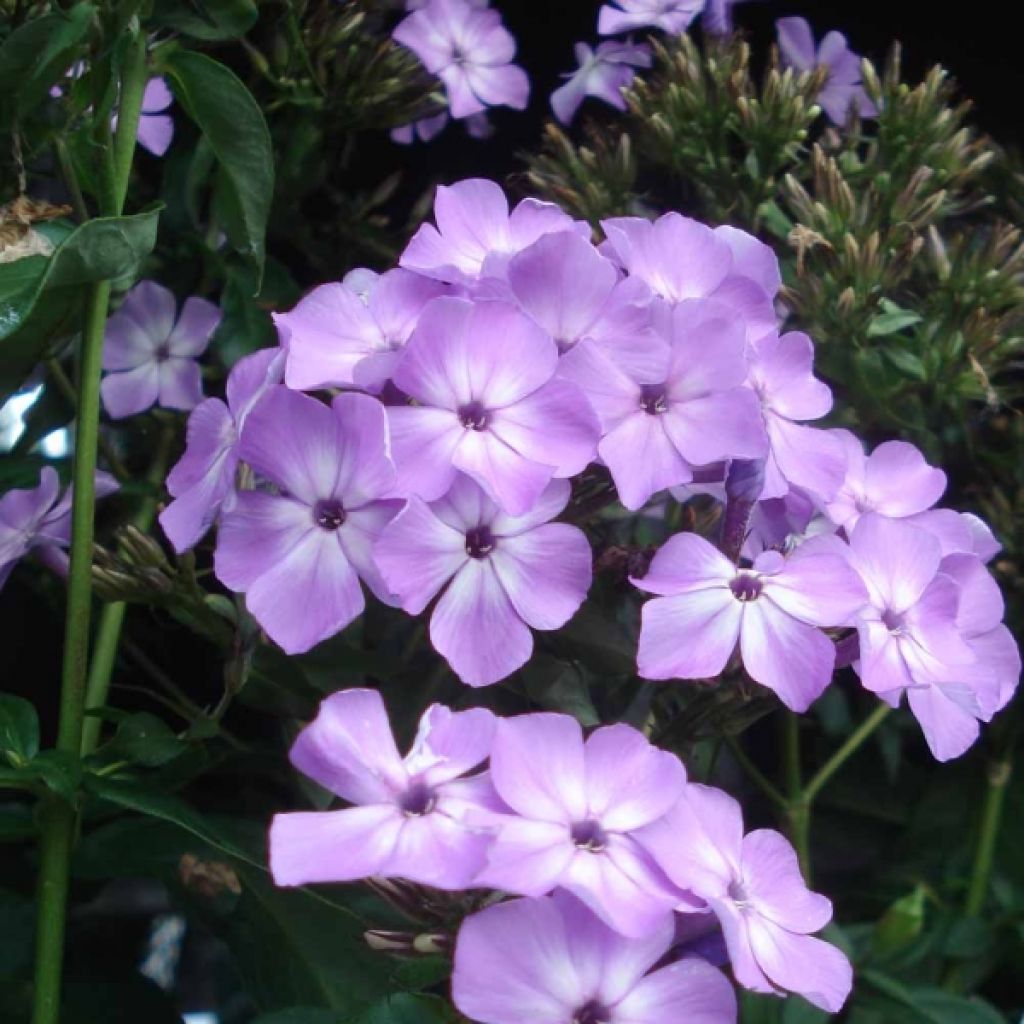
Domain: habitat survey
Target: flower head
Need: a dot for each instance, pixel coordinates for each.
(202, 482)
(774, 610)
(576, 807)
(671, 16)
(501, 575)
(753, 885)
(407, 815)
(843, 87)
(298, 554)
(151, 357)
(603, 73)
(488, 405)
(552, 960)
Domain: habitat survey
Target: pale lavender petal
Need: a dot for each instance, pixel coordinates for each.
(512, 480)
(527, 857)
(180, 383)
(812, 459)
(434, 850)
(686, 562)
(898, 481)
(498, 85)
(196, 324)
(533, 218)
(358, 537)
(365, 471)
(981, 604)
(821, 589)
(551, 502)
(796, 43)
(772, 879)
(153, 308)
(642, 459)
(126, 344)
(423, 442)
(125, 394)
(611, 392)
(690, 636)
(949, 729)
(895, 561)
(782, 371)
(708, 349)
(881, 668)
(187, 518)
(688, 990)
(450, 743)
(251, 377)
(209, 433)
(752, 259)
(717, 427)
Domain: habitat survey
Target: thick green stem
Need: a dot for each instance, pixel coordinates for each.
(991, 817)
(59, 818)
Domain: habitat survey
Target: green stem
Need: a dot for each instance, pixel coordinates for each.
(991, 818)
(798, 806)
(67, 171)
(842, 755)
(59, 818)
(756, 776)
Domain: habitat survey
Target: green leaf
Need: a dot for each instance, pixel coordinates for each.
(143, 739)
(302, 1015)
(906, 362)
(891, 320)
(925, 1005)
(901, 924)
(40, 297)
(231, 121)
(408, 1009)
(209, 20)
(19, 729)
(38, 53)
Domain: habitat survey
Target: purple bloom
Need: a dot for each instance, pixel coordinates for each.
(156, 129)
(488, 405)
(550, 961)
(894, 480)
(717, 18)
(476, 234)
(424, 130)
(843, 87)
(603, 73)
(471, 51)
(686, 408)
(407, 815)
(298, 555)
(626, 15)
(774, 610)
(202, 482)
(753, 885)
(501, 574)
(154, 358)
(338, 338)
(34, 520)
(576, 806)
(781, 372)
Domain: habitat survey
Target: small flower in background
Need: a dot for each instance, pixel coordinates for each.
(575, 807)
(156, 129)
(843, 87)
(202, 482)
(500, 574)
(672, 16)
(34, 520)
(470, 50)
(774, 611)
(151, 357)
(717, 18)
(407, 815)
(488, 404)
(753, 885)
(298, 555)
(552, 960)
(337, 337)
(603, 73)
(424, 130)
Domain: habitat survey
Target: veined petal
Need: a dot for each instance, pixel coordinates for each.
(423, 442)
(688, 990)
(689, 636)
(642, 459)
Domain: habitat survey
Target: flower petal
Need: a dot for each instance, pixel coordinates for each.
(125, 394)
(689, 636)
(181, 383)
(688, 990)
(198, 320)
(642, 459)
(772, 879)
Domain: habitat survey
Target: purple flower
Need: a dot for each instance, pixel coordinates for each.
(298, 555)
(34, 520)
(551, 961)
(476, 234)
(576, 806)
(488, 405)
(202, 482)
(774, 610)
(423, 130)
(407, 815)
(781, 372)
(471, 51)
(843, 87)
(337, 338)
(501, 574)
(154, 358)
(686, 408)
(681, 259)
(717, 18)
(753, 885)
(156, 129)
(603, 73)
(894, 480)
(626, 15)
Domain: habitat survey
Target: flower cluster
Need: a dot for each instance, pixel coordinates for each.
(613, 853)
(508, 354)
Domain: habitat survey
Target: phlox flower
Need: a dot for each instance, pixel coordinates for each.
(687, 407)
(501, 575)
(576, 808)
(894, 481)
(781, 373)
(470, 50)
(626, 15)
(753, 885)
(423, 130)
(298, 555)
(551, 961)
(681, 259)
(156, 128)
(488, 404)
(34, 520)
(958, 533)
(407, 815)
(151, 357)
(603, 73)
(843, 87)
(202, 482)
(774, 610)
(336, 337)
(476, 235)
